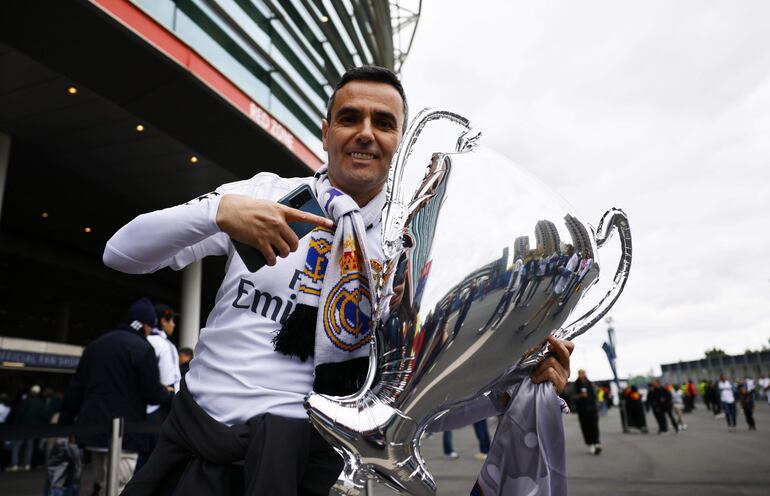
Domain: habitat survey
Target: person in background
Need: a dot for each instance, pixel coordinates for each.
(659, 400)
(185, 355)
(446, 443)
(747, 403)
(679, 406)
(635, 416)
(5, 408)
(30, 411)
(168, 368)
(117, 376)
(689, 398)
(764, 386)
(587, 412)
(727, 399)
(482, 434)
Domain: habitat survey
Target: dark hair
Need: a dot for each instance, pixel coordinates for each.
(369, 73)
(186, 351)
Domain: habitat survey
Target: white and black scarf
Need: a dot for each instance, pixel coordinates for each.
(331, 320)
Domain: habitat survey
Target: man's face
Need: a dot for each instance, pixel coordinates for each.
(364, 132)
(167, 325)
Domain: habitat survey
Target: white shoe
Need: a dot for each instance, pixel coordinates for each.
(480, 456)
(26, 468)
(452, 456)
(12, 468)
(592, 449)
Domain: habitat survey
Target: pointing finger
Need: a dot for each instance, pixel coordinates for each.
(294, 215)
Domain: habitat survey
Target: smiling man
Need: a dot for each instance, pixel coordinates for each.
(238, 425)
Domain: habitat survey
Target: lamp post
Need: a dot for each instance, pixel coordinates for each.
(609, 349)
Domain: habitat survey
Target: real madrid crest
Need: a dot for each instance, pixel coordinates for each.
(348, 308)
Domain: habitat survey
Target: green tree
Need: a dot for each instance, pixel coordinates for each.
(715, 352)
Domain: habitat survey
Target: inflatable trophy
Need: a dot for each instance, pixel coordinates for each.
(482, 264)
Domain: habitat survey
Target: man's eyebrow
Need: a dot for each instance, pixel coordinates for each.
(348, 110)
(383, 114)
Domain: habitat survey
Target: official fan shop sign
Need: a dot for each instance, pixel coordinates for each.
(30, 359)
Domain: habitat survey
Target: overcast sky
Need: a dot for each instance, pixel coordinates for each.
(661, 108)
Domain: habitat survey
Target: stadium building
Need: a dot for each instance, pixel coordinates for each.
(111, 108)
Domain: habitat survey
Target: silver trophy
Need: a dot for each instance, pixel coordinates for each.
(482, 263)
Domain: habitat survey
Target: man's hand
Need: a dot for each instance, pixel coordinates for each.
(263, 224)
(555, 368)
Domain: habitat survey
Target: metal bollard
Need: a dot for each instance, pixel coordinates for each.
(113, 460)
(370, 487)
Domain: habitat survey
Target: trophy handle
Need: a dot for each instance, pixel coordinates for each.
(396, 209)
(612, 220)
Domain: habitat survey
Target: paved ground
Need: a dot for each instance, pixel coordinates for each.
(705, 460)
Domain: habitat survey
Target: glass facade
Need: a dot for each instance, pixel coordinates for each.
(287, 55)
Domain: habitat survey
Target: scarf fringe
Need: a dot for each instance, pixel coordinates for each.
(297, 336)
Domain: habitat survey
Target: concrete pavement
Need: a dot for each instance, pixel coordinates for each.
(706, 459)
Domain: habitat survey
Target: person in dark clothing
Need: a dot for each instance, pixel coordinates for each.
(117, 376)
(635, 416)
(30, 411)
(747, 403)
(587, 412)
(660, 401)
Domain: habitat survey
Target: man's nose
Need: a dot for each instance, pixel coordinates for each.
(365, 132)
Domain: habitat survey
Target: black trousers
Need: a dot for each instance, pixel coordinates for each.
(674, 423)
(589, 425)
(660, 416)
(749, 413)
(269, 455)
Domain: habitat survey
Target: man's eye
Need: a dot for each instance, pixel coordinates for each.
(386, 124)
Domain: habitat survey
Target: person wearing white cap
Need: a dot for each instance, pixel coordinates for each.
(31, 411)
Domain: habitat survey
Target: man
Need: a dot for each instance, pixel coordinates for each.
(168, 368)
(727, 400)
(587, 412)
(660, 401)
(165, 350)
(117, 376)
(764, 386)
(264, 342)
(31, 410)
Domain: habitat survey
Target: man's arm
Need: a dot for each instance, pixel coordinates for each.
(180, 235)
(174, 236)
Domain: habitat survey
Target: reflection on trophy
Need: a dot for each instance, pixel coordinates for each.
(483, 262)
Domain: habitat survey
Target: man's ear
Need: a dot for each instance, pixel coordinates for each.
(324, 130)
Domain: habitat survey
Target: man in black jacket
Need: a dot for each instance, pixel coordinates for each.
(587, 412)
(117, 377)
(660, 401)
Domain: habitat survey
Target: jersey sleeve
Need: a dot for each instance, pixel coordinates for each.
(172, 237)
(166, 366)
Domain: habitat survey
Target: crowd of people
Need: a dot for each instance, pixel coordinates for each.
(668, 403)
(130, 371)
(36, 406)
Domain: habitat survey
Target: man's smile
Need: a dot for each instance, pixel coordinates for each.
(362, 155)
